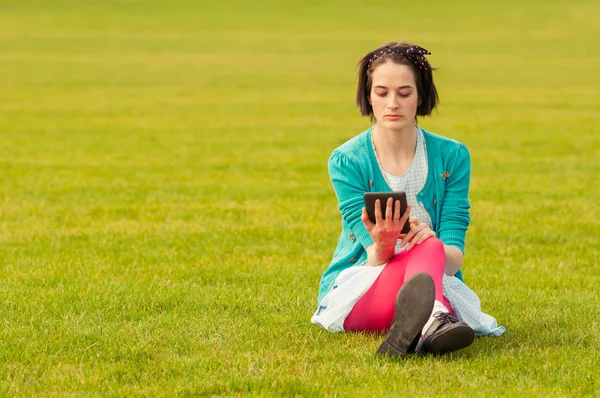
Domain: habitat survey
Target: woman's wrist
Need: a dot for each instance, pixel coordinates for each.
(378, 254)
(454, 260)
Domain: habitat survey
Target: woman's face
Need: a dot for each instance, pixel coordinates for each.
(394, 96)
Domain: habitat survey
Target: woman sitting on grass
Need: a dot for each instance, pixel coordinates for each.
(379, 279)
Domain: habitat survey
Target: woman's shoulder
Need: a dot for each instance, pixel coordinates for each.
(354, 148)
(446, 146)
(440, 139)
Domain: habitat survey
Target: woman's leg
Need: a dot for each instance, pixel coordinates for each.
(429, 257)
(375, 309)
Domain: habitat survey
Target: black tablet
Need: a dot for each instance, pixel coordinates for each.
(371, 197)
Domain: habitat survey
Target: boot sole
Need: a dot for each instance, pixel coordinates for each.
(456, 337)
(412, 309)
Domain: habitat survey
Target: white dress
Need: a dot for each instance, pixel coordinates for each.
(355, 281)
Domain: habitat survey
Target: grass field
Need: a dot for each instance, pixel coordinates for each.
(166, 212)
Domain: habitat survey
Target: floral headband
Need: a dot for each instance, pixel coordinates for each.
(414, 54)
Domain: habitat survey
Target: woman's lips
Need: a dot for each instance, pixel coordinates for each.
(392, 117)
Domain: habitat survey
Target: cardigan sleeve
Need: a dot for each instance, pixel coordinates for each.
(349, 186)
(454, 215)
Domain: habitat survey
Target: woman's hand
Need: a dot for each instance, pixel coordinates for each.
(419, 233)
(385, 232)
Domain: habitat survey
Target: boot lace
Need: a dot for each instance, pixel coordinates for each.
(446, 317)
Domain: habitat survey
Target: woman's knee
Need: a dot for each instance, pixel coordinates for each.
(432, 244)
(431, 250)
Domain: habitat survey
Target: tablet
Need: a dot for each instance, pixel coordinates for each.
(371, 197)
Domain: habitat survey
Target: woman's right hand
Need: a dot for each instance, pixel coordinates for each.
(384, 232)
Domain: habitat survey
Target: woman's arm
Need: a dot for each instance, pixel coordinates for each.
(377, 255)
(454, 213)
(349, 184)
(454, 259)
(454, 216)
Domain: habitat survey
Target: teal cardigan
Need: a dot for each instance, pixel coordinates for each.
(354, 170)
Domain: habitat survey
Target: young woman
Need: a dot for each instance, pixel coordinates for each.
(379, 279)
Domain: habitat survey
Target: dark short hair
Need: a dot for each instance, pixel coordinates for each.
(426, 90)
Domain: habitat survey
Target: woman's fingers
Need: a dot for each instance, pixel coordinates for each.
(388, 210)
(427, 235)
(378, 218)
(422, 237)
(414, 241)
(415, 234)
(403, 220)
(389, 222)
(411, 234)
(397, 210)
(413, 222)
(365, 219)
(405, 215)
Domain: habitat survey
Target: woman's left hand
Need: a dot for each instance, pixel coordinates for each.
(419, 233)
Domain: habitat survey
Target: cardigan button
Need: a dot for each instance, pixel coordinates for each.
(352, 237)
(353, 260)
(435, 201)
(370, 182)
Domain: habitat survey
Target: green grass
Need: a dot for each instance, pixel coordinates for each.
(166, 212)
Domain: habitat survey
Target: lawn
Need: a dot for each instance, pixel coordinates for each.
(166, 213)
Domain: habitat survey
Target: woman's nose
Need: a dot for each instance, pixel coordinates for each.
(392, 104)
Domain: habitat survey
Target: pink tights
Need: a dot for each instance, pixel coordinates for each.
(375, 309)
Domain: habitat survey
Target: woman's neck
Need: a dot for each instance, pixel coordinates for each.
(395, 148)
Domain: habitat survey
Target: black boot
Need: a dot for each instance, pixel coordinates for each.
(446, 334)
(412, 309)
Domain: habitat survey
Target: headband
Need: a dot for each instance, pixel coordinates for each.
(414, 54)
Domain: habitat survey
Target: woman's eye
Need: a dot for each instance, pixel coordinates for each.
(403, 95)
(382, 94)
